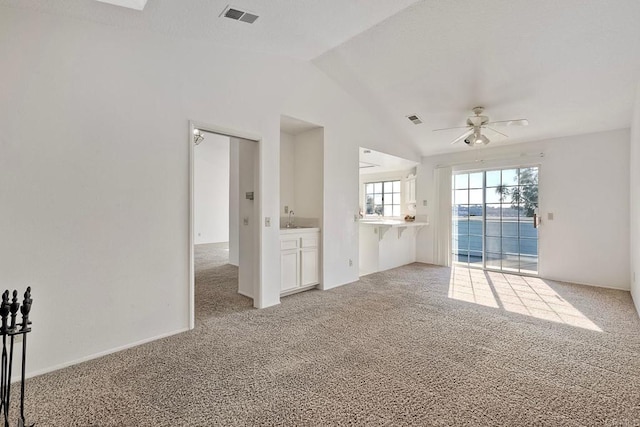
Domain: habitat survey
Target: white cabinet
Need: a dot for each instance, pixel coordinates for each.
(410, 194)
(289, 269)
(299, 259)
(308, 266)
(410, 189)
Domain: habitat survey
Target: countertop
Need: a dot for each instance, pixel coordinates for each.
(392, 222)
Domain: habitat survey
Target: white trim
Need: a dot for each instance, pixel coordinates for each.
(298, 290)
(192, 274)
(636, 303)
(538, 276)
(337, 285)
(258, 300)
(99, 354)
(585, 284)
(220, 130)
(245, 295)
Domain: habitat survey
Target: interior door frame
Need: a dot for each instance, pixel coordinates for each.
(232, 133)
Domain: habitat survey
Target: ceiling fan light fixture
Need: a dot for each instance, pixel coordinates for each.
(477, 122)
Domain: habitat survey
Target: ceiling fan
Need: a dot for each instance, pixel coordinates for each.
(475, 124)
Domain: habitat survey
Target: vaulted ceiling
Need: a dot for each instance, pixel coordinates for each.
(570, 66)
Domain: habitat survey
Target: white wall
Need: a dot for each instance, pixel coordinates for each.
(249, 218)
(584, 182)
(234, 203)
(211, 189)
(308, 173)
(287, 172)
(301, 176)
(95, 169)
(635, 202)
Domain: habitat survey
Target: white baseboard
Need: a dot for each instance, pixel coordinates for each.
(97, 355)
(244, 294)
(585, 284)
(636, 302)
(298, 290)
(337, 285)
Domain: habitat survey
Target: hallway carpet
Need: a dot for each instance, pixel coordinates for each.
(417, 345)
(216, 283)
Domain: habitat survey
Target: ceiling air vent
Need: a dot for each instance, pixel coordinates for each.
(414, 119)
(239, 15)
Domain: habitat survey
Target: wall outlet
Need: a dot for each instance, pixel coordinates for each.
(267, 221)
(245, 220)
(286, 209)
(350, 262)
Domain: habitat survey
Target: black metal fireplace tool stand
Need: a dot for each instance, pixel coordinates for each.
(9, 329)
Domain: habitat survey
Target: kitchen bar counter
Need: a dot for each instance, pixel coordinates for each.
(381, 250)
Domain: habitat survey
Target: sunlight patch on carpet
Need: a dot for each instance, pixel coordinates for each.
(529, 296)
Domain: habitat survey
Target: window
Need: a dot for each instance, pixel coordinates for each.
(493, 219)
(382, 198)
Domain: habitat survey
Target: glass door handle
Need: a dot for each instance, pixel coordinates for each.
(536, 220)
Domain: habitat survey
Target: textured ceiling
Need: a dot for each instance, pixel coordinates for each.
(570, 67)
(302, 28)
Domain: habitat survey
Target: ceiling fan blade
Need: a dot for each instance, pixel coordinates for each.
(459, 127)
(517, 122)
(463, 136)
(496, 131)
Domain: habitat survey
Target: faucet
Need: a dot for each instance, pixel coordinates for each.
(290, 222)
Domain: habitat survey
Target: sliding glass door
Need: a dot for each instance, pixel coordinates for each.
(493, 219)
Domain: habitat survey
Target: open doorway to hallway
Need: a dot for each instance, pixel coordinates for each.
(224, 225)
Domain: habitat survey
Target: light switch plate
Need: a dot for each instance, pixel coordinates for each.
(267, 221)
(550, 216)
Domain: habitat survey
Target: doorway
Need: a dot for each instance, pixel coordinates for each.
(494, 219)
(224, 247)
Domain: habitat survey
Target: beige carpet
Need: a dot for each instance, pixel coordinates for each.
(217, 283)
(402, 347)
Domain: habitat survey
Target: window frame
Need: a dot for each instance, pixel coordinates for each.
(399, 194)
